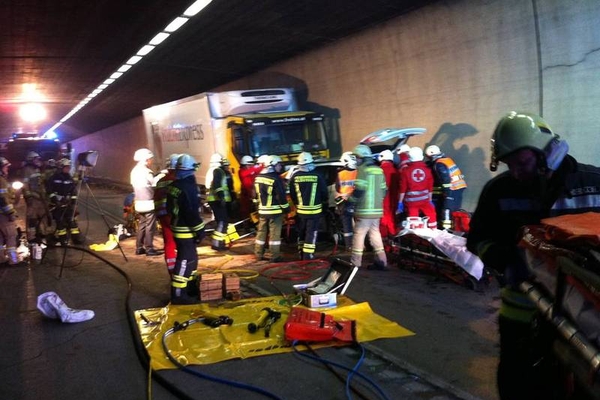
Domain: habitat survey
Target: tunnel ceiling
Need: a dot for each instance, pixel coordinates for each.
(69, 47)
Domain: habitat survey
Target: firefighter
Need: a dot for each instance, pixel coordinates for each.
(35, 197)
(62, 190)
(49, 170)
(344, 186)
(218, 197)
(449, 185)
(366, 203)
(160, 206)
(8, 215)
(309, 194)
(416, 186)
(542, 181)
(247, 173)
(269, 189)
(387, 226)
(183, 205)
(143, 182)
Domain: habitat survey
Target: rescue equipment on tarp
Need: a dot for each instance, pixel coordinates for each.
(313, 326)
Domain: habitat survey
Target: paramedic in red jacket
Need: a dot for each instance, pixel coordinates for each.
(247, 172)
(416, 186)
(387, 225)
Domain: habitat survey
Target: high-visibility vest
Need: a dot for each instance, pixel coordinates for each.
(270, 192)
(218, 185)
(345, 182)
(456, 177)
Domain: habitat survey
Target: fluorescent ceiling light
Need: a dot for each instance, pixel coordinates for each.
(196, 7)
(133, 60)
(103, 86)
(158, 39)
(124, 68)
(176, 24)
(108, 81)
(116, 75)
(145, 50)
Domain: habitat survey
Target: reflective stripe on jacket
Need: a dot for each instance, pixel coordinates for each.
(369, 191)
(308, 191)
(270, 193)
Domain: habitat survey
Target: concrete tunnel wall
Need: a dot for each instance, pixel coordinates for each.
(453, 67)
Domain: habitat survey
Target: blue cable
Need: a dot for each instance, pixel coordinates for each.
(183, 326)
(353, 371)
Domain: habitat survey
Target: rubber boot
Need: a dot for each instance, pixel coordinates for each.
(54, 307)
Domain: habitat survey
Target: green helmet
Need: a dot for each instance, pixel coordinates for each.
(520, 130)
(362, 151)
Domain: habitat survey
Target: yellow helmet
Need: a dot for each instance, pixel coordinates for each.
(520, 130)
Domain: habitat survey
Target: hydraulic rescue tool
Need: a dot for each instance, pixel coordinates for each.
(214, 321)
(313, 326)
(265, 320)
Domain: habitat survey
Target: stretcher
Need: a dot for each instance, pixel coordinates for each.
(563, 257)
(438, 252)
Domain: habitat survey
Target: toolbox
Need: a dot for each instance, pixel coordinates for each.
(322, 292)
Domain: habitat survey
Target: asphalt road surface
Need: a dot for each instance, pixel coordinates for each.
(453, 354)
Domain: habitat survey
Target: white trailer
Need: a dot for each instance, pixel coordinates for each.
(234, 124)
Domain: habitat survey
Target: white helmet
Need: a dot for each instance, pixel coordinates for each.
(415, 154)
(385, 155)
(4, 162)
(142, 155)
(305, 158)
(64, 162)
(31, 155)
(172, 161)
(349, 160)
(433, 151)
(275, 160)
(264, 160)
(216, 159)
(362, 151)
(247, 160)
(186, 162)
(403, 149)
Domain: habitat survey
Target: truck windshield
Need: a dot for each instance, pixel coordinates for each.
(308, 135)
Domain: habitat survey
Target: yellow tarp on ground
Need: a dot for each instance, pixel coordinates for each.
(200, 344)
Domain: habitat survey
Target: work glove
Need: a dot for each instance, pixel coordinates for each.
(400, 208)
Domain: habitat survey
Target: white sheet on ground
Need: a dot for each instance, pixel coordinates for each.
(453, 246)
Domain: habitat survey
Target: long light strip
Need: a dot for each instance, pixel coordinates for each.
(156, 40)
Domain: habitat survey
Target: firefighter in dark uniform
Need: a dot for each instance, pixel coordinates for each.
(270, 194)
(218, 198)
(542, 181)
(344, 186)
(8, 215)
(160, 206)
(183, 205)
(309, 194)
(63, 198)
(35, 196)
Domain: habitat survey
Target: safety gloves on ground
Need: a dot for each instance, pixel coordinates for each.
(54, 307)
